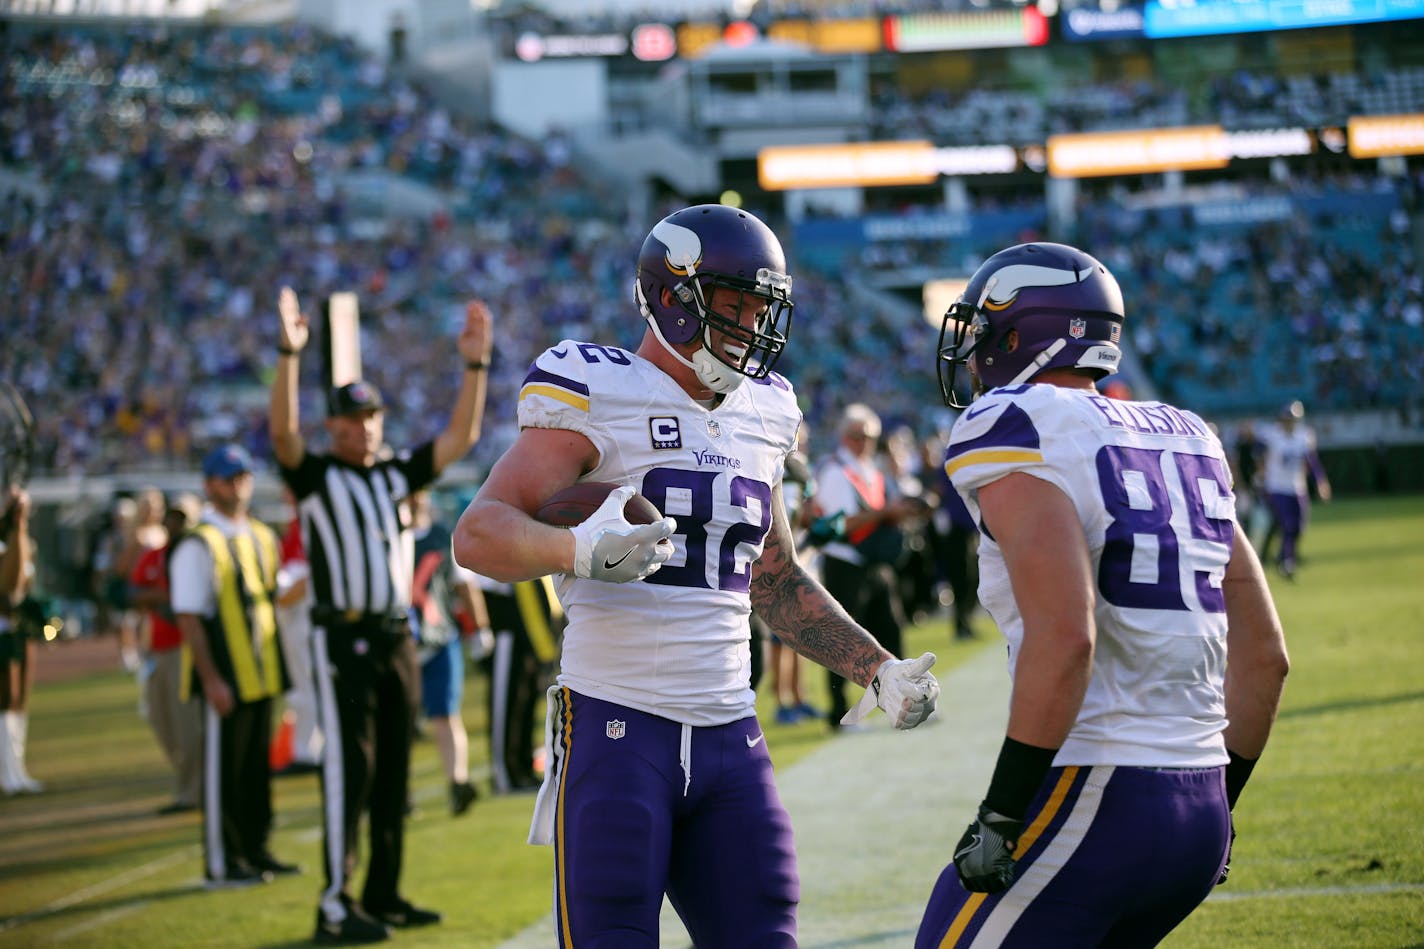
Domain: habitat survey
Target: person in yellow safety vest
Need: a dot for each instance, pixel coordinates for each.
(223, 575)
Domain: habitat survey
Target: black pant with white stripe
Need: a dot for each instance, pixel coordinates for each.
(368, 690)
(237, 788)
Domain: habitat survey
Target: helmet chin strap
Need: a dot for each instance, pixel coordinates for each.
(711, 372)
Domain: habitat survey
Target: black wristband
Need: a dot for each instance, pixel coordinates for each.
(479, 366)
(1238, 770)
(284, 351)
(1017, 777)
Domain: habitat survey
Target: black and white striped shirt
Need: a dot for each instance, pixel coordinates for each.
(356, 528)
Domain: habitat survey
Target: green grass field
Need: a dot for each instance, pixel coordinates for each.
(1330, 854)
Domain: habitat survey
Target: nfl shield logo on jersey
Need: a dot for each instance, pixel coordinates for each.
(713, 428)
(615, 729)
(1077, 327)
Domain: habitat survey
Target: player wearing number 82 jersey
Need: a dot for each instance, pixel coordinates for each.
(1111, 561)
(659, 780)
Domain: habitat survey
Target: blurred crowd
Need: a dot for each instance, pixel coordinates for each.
(990, 114)
(163, 182)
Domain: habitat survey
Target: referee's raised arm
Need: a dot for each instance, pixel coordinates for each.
(283, 422)
(476, 345)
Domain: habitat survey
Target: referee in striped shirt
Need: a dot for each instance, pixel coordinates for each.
(356, 526)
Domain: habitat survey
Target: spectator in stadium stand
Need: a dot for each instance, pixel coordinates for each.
(356, 499)
(177, 722)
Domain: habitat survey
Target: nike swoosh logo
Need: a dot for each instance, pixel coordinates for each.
(973, 845)
(753, 742)
(561, 353)
(974, 413)
(610, 564)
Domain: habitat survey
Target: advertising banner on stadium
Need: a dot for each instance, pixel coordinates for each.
(1169, 18)
(1083, 24)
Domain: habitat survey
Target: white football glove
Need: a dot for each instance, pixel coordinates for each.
(904, 688)
(607, 547)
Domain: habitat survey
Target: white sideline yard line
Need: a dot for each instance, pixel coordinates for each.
(103, 886)
(102, 919)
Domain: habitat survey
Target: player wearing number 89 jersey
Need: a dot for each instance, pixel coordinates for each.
(659, 781)
(1111, 561)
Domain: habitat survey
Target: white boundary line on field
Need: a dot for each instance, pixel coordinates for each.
(101, 887)
(102, 919)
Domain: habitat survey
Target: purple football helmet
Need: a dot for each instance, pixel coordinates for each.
(1029, 308)
(690, 253)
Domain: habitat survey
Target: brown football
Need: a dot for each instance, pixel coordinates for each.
(575, 503)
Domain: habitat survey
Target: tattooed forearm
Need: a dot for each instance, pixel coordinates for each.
(805, 617)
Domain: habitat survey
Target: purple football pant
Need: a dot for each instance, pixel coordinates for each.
(1289, 511)
(633, 823)
(1112, 857)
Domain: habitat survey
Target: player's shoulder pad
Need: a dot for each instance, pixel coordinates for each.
(558, 373)
(988, 410)
(997, 430)
(775, 399)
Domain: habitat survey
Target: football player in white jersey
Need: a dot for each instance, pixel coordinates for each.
(1290, 454)
(1145, 652)
(659, 779)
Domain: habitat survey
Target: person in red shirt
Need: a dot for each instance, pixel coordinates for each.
(294, 627)
(177, 725)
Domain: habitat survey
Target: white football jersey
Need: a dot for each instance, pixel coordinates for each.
(1153, 492)
(1287, 455)
(677, 643)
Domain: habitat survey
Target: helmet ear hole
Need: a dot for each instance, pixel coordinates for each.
(1010, 342)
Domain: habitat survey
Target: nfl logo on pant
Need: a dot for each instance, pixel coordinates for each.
(615, 729)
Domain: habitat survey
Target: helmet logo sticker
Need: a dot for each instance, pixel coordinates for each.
(1008, 282)
(1114, 333)
(684, 247)
(1077, 326)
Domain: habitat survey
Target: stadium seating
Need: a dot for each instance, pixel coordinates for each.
(167, 180)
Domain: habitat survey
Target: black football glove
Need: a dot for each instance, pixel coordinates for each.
(984, 856)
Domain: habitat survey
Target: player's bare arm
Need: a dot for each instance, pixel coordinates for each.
(497, 535)
(476, 344)
(803, 614)
(1256, 659)
(283, 423)
(1046, 552)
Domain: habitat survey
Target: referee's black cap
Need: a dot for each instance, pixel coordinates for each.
(354, 398)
